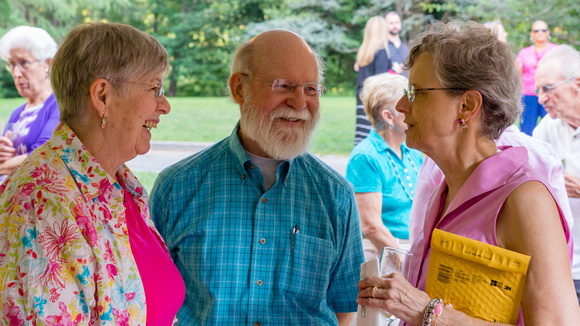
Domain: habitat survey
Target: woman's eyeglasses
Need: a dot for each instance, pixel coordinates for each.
(158, 90)
(411, 92)
(545, 30)
(22, 64)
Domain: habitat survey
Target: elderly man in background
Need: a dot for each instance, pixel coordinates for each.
(262, 231)
(558, 82)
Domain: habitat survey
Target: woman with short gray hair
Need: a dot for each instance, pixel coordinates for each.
(463, 92)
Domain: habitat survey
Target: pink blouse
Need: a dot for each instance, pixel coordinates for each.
(164, 287)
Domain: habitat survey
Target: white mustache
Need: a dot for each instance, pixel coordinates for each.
(286, 112)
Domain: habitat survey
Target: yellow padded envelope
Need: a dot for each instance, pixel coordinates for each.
(479, 279)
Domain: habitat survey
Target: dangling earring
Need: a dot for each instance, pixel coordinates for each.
(462, 124)
(531, 39)
(549, 37)
(103, 122)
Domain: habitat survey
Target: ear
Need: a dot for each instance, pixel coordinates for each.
(236, 84)
(470, 104)
(100, 96)
(388, 116)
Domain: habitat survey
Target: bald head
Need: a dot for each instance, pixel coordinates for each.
(277, 49)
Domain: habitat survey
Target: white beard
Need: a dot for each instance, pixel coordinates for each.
(279, 141)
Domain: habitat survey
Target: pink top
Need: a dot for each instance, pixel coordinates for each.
(542, 158)
(164, 287)
(473, 212)
(529, 58)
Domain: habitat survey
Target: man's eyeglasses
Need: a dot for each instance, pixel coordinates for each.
(286, 86)
(411, 92)
(22, 64)
(549, 88)
(158, 90)
(545, 30)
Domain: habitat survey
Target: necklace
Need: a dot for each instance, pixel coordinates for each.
(399, 176)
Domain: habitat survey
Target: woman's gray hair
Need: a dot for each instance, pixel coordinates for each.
(34, 39)
(379, 93)
(471, 57)
(115, 52)
(564, 59)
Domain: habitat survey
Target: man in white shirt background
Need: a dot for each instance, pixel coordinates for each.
(558, 82)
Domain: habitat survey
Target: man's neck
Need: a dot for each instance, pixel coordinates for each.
(395, 39)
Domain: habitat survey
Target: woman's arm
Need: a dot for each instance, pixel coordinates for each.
(11, 164)
(529, 223)
(370, 208)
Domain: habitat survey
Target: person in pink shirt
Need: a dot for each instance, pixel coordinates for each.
(77, 243)
(527, 62)
(464, 91)
(541, 157)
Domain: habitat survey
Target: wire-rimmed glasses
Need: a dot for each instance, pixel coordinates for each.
(22, 64)
(549, 88)
(411, 92)
(287, 86)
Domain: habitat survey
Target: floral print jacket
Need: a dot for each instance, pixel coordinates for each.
(65, 256)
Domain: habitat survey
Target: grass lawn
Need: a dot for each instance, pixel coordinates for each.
(209, 119)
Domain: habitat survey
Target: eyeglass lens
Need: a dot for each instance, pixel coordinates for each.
(285, 86)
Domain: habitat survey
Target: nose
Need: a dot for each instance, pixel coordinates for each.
(297, 99)
(403, 104)
(163, 105)
(542, 97)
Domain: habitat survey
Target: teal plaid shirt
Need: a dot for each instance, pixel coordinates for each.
(287, 256)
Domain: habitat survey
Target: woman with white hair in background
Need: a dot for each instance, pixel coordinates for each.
(28, 52)
(382, 169)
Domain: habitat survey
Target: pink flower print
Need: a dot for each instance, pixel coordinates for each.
(104, 190)
(86, 225)
(64, 319)
(12, 314)
(130, 296)
(56, 239)
(121, 317)
(112, 269)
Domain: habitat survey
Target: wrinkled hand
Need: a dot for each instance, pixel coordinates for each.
(394, 294)
(572, 185)
(7, 149)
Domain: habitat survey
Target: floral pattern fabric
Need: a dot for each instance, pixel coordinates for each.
(65, 256)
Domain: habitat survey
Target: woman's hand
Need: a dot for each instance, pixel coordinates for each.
(394, 294)
(7, 149)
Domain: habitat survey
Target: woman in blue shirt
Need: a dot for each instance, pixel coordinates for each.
(382, 169)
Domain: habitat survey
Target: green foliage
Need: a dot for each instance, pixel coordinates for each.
(202, 35)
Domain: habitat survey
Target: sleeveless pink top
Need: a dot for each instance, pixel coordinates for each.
(473, 212)
(164, 287)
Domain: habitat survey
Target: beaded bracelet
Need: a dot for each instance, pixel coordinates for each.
(435, 307)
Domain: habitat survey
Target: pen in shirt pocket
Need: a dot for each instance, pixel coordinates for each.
(295, 230)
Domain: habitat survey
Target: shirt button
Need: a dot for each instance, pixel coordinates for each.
(405, 170)
(264, 200)
(251, 167)
(257, 323)
(259, 282)
(408, 178)
(262, 241)
(243, 177)
(410, 184)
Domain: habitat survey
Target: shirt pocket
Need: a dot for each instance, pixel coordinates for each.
(307, 272)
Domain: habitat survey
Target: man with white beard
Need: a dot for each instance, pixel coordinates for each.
(262, 231)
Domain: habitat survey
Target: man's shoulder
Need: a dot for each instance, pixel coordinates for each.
(197, 162)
